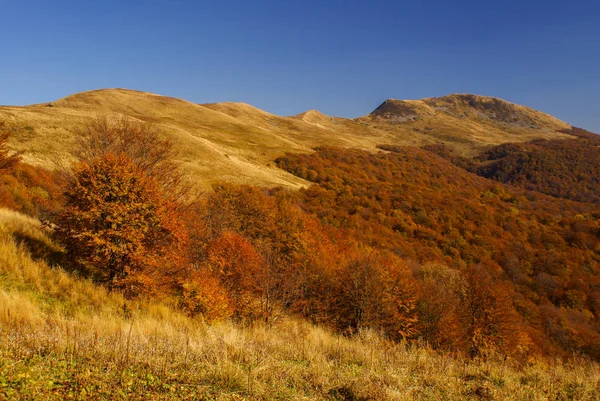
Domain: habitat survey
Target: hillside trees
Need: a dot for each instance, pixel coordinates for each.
(349, 259)
(490, 318)
(537, 250)
(563, 168)
(26, 188)
(272, 258)
(118, 222)
(567, 168)
(439, 306)
(240, 270)
(31, 190)
(271, 230)
(376, 290)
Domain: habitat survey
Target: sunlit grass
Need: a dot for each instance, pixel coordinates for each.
(237, 143)
(62, 337)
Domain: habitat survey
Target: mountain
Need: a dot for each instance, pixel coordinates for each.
(469, 123)
(237, 142)
(461, 242)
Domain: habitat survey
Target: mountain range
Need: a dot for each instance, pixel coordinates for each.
(236, 142)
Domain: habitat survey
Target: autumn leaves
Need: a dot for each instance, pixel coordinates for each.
(514, 269)
(402, 242)
(119, 225)
(240, 252)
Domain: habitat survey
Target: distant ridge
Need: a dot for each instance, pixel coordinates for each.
(397, 108)
(468, 106)
(237, 142)
(315, 117)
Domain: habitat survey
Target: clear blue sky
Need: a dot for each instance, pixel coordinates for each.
(340, 57)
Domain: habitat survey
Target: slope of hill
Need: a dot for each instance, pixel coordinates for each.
(236, 142)
(427, 253)
(562, 168)
(469, 123)
(61, 337)
(423, 208)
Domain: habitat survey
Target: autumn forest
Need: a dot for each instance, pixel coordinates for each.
(498, 253)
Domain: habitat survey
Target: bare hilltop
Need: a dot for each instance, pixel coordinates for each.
(236, 142)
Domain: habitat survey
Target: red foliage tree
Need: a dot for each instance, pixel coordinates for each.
(203, 294)
(241, 270)
(119, 224)
(489, 316)
(439, 306)
(376, 291)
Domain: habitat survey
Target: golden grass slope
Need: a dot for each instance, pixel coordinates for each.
(236, 142)
(62, 337)
(469, 123)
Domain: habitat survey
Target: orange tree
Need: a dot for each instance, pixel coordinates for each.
(119, 225)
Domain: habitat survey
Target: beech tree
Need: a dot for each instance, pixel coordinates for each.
(240, 269)
(489, 316)
(202, 294)
(118, 224)
(439, 306)
(146, 146)
(122, 217)
(377, 291)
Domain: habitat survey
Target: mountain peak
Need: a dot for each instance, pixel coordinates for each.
(313, 117)
(467, 106)
(495, 109)
(470, 100)
(397, 110)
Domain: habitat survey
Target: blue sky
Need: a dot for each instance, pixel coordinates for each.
(340, 57)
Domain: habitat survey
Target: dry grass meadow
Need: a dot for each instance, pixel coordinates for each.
(62, 337)
(236, 142)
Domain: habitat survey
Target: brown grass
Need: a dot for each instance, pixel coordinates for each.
(61, 337)
(236, 142)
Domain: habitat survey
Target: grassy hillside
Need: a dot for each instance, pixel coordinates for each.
(61, 338)
(468, 123)
(236, 142)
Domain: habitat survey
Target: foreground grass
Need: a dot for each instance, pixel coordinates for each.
(64, 338)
